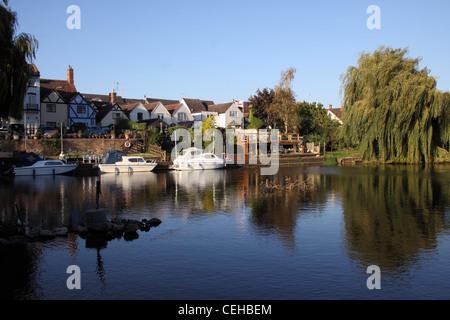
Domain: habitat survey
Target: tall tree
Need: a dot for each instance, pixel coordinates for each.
(16, 53)
(393, 110)
(283, 106)
(260, 104)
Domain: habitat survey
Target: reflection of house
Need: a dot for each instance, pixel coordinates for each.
(335, 114)
(55, 96)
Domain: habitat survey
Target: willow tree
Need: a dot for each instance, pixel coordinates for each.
(16, 53)
(283, 107)
(392, 109)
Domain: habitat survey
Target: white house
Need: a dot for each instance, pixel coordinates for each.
(335, 114)
(229, 115)
(108, 113)
(181, 113)
(135, 111)
(31, 118)
(157, 110)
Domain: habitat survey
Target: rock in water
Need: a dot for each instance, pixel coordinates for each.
(154, 222)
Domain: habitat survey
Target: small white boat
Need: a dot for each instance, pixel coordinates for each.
(196, 159)
(32, 165)
(116, 161)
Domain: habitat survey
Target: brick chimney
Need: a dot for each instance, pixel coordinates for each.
(70, 75)
(113, 96)
(331, 106)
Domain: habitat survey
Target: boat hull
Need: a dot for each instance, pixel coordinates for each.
(190, 166)
(50, 170)
(115, 168)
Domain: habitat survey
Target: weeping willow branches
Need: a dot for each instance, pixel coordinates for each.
(16, 52)
(392, 110)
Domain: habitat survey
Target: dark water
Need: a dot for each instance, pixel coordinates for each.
(222, 236)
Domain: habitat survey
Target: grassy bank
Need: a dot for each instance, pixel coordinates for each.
(331, 157)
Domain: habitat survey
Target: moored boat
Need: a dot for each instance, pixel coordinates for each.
(116, 161)
(31, 164)
(196, 159)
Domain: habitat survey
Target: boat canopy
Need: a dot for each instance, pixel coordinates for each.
(191, 153)
(113, 156)
(28, 159)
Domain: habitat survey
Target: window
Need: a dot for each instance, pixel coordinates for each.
(161, 116)
(51, 124)
(233, 114)
(81, 109)
(140, 116)
(51, 108)
(53, 163)
(116, 115)
(182, 116)
(32, 105)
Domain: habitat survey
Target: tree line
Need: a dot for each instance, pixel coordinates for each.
(277, 108)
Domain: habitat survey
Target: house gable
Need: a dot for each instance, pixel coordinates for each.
(80, 111)
(181, 114)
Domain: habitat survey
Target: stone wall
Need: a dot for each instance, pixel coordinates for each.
(72, 147)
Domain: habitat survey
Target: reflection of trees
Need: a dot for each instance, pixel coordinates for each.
(278, 213)
(391, 215)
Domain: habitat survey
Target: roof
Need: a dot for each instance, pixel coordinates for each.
(63, 87)
(336, 111)
(172, 107)
(197, 105)
(163, 101)
(220, 108)
(33, 69)
(129, 106)
(101, 97)
(151, 106)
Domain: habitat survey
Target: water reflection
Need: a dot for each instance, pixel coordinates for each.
(389, 216)
(394, 214)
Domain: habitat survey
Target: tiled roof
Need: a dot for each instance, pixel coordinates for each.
(102, 97)
(172, 107)
(197, 105)
(151, 106)
(129, 106)
(63, 87)
(337, 112)
(220, 108)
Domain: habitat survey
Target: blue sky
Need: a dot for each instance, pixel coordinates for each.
(224, 50)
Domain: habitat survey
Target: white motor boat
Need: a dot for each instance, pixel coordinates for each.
(196, 159)
(116, 161)
(32, 165)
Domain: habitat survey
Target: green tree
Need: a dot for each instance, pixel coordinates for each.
(283, 105)
(255, 123)
(16, 55)
(393, 110)
(314, 124)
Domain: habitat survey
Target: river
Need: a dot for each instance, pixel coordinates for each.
(225, 235)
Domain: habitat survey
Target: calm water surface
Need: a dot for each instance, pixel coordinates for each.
(223, 237)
